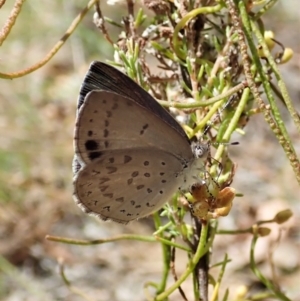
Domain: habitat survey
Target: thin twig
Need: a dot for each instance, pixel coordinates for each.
(100, 23)
(11, 19)
(172, 266)
(55, 49)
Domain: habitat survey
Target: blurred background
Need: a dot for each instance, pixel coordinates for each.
(37, 114)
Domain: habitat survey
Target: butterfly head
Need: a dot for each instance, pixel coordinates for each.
(200, 150)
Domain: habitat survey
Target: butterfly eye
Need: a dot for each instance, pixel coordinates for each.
(199, 150)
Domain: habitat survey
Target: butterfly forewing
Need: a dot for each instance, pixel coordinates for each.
(105, 77)
(109, 121)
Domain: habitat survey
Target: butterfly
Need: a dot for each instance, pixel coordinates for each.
(131, 155)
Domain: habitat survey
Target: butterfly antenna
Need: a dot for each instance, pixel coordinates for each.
(211, 123)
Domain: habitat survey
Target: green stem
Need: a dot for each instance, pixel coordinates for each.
(218, 283)
(190, 15)
(101, 241)
(274, 120)
(281, 83)
(166, 257)
(232, 126)
(172, 244)
(201, 250)
(198, 104)
(260, 276)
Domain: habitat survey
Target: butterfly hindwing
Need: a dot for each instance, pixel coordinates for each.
(124, 185)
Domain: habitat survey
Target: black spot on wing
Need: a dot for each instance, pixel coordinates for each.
(142, 131)
(127, 159)
(91, 145)
(105, 133)
(120, 200)
(135, 174)
(94, 155)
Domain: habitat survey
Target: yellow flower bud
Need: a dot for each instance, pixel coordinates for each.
(269, 39)
(285, 57)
